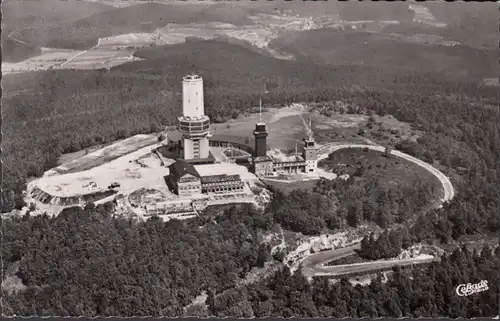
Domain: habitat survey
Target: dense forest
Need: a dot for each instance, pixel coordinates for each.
(422, 292)
(86, 262)
(82, 261)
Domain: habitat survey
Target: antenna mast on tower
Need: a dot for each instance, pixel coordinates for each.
(260, 109)
(310, 129)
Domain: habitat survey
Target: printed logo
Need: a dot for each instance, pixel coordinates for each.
(469, 288)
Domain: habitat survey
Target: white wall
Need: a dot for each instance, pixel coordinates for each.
(188, 148)
(311, 165)
(204, 148)
(192, 98)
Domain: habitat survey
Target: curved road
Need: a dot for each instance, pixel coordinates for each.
(449, 191)
(312, 265)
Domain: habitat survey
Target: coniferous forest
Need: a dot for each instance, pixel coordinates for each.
(87, 262)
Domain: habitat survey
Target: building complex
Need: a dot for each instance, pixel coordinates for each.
(196, 172)
(209, 169)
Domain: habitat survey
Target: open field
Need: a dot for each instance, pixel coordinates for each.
(284, 125)
(123, 168)
(49, 58)
(106, 154)
(55, 58)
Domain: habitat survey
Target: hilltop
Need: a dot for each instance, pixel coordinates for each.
(69, 110)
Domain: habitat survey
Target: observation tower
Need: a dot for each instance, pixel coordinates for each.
(310, 150)
(260, 133)
(194, 125)
(262, 164)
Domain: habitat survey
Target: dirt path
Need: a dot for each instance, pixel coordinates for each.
(80, 53)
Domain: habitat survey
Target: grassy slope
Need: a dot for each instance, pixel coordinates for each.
(83, 33)
(39, 15)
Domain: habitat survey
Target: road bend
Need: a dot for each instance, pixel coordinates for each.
(313, 265)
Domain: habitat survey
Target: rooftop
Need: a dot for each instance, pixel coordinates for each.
(287, 158)
(181, 167)
(248, 140)
(263, 159)
(191, 77)
(220, 178)
(199, 118)
(220, 169)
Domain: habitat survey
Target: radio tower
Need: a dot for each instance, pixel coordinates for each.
(260, 134)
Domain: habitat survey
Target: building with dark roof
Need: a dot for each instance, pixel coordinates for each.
(184, 179)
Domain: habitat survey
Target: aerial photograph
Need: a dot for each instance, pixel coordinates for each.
(249, 159)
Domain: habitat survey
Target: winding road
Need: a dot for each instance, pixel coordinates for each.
(313, 264)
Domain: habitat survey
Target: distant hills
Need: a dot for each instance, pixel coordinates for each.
(353, 47)
(78, 24)
(21, 14)
(35, 16)
(75, 24)
(473, 23)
